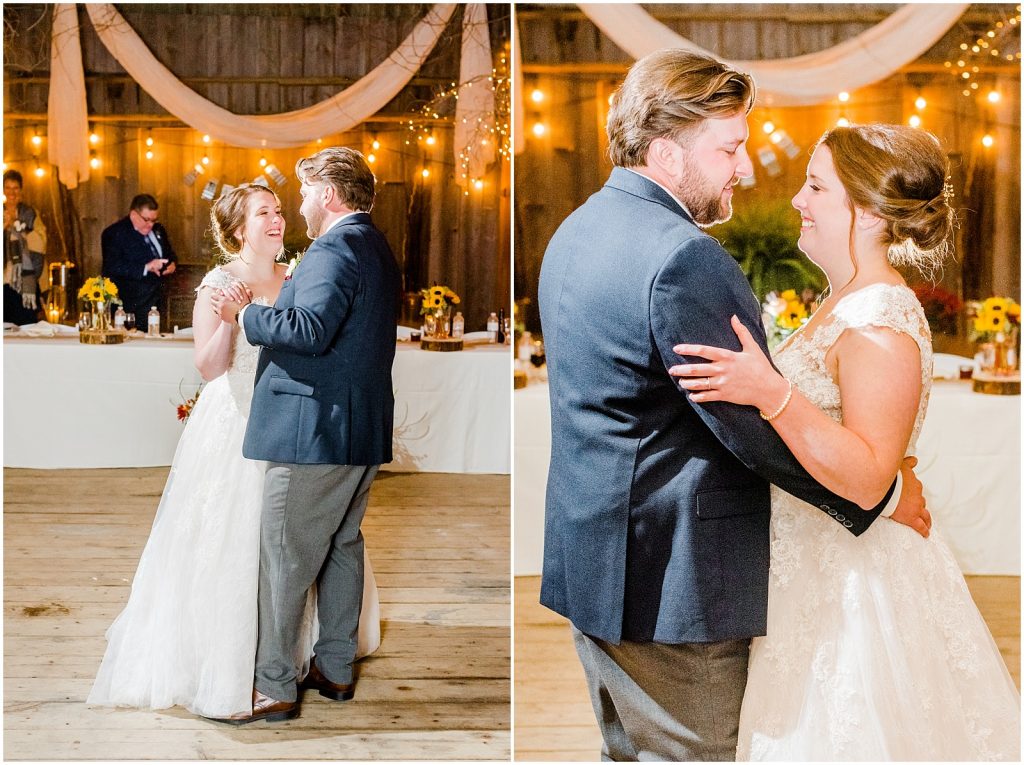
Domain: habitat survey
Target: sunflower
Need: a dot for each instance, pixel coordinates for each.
(794, 315)
(788, 295)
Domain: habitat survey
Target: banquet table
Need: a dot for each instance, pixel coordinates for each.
(969, 463)
(69, 405)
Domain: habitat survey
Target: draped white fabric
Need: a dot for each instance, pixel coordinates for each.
(804, 80)
(67, 112)
(338, 113)
(474, 110)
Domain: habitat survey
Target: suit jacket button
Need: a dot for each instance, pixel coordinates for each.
(848, 524)
(831, 512)
(825, 507)
(840, 517)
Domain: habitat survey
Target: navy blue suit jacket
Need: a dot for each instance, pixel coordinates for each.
(125, 255)
(323, 392)
(656, 523)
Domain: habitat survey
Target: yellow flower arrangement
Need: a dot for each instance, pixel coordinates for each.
(99, 289)
(994, 316)
(785, 312)
(437, 297)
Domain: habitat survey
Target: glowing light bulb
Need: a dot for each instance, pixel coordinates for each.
(94, 138)
(40, 172)
(993, 96)
(94, 162)
(987, 141)
(537, 95)
(478, 184)
(149, 154)
(914, 121)
(920, 103)
(263, 161)
(205, 160)
(425, 173)
(149, 141)
(371, 158)
(37, 140)
(431, 140)
(844, 97)
(206, 138)
(843, 122)
(375, 145)
(539, 129)
(769, 127)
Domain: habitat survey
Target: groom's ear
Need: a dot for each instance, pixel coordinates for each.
(662, 153)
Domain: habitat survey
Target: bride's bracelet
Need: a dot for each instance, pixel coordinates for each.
(785, 403)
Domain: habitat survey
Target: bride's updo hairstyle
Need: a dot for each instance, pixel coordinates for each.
(227, 217)
(898, 173)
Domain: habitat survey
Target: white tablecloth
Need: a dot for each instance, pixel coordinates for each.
(68, 405)
(969, 453)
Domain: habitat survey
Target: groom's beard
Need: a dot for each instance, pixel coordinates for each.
(704, 202)
(314, 222)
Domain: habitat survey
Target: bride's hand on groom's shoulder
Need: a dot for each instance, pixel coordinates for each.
(741, 377)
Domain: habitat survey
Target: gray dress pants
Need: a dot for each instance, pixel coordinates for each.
(310, 533)
(656, 701)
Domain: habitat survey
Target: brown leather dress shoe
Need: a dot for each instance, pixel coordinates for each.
(263, 708)
(336, 691)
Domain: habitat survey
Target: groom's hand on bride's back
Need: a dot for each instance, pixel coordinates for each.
(911, 510)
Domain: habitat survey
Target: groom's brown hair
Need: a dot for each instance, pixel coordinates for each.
(669, 94)
(345, 170)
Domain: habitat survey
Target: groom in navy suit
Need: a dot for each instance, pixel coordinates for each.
(656, 530)
(322, 414)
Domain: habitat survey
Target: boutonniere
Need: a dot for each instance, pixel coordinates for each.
(293, 264)
(19, 225)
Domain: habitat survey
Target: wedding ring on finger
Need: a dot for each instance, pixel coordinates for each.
(707, 383)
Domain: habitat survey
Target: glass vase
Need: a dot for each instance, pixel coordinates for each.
(441, 317)
(100, 319)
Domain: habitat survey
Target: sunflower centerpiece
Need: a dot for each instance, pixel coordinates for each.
(99, 292)
(436, 306)
(995, 326)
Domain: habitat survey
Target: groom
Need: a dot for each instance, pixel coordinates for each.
(656, 539)
(321, 417)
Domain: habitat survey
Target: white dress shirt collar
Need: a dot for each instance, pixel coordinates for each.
(661, 187)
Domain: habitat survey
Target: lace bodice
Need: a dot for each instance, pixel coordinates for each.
(802, 357)
(244, 356)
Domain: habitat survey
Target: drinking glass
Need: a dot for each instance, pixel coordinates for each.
(129, 322)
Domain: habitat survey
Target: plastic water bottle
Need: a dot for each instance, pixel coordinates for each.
(458, 325)
(119, 318)
(154, 322)
(492, 328)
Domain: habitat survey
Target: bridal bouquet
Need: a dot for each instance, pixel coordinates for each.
(437, 298)
(785, 312)
(187, 404)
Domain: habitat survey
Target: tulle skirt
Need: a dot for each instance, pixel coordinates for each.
(188, 633)
(875, 651)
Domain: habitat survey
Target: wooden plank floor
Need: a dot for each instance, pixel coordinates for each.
(438, 688)
(553, 717)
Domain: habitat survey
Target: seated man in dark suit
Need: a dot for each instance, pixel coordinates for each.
(137, 256)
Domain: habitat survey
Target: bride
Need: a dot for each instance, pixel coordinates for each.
(883, 653)
(188, 634)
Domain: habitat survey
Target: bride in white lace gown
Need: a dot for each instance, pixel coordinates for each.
(188, 633)
(874, 649)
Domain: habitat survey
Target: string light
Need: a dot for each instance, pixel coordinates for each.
(205, 160)
(537, 95)
(375, 144)
(843, 122)
(206, 138)
(425, 173)
(149, 140)
(94, 161)
(539, 129)
(431, 140)
(149, 154)
(478, 184)
(844, 97)
(94, 138)
(371, 158)
(987, 141)
(914, 121)
(263, 161)
(920, 103)
(993, 96)
(769, 127)
(37, 140)
(39, 170)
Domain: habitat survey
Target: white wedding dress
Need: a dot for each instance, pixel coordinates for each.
(188, 633)
(875, 649)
